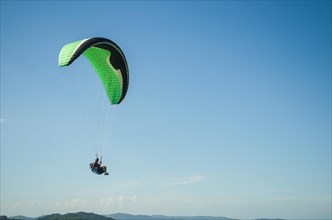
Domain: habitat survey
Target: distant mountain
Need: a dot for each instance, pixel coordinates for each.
(117, 216)
(17, 217)
(75, 216)
(123, 216)
(21, 217)
(269, 219)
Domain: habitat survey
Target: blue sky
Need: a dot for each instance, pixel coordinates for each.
(228, 111)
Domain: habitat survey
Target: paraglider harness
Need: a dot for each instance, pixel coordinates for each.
(96, 166)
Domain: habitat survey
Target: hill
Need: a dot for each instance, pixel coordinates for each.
(75, 216)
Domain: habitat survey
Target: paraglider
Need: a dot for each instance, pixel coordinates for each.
(109, 63)
(97, 168)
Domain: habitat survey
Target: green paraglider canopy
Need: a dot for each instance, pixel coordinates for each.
(108, 61)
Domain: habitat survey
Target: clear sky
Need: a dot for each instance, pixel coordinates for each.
(228, 111)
